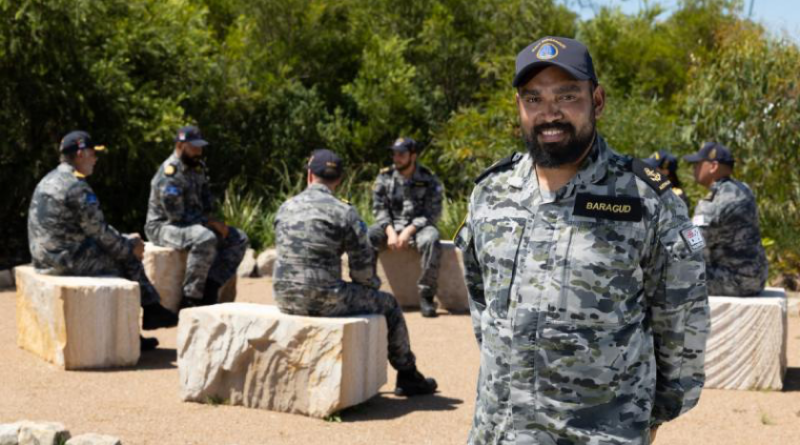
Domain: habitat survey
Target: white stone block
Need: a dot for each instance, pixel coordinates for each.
(166, 267)
(9, 433)
(255, 356)
(42, 433)
(746, 348)
(78, 322)
(93, 439)
(247, 268)
(265, 262)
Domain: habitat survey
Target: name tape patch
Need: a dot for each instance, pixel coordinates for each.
(694, 238)
(617, 208)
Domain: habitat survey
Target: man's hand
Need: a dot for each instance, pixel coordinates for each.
(404, 238)
(219, 227)
(138, 246)
(391, 238)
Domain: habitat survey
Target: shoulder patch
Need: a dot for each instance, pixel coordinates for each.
(653, 178)
(169, 170)
(90, 198)
(500, 165)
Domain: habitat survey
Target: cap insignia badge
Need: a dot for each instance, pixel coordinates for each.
(547, 51)
(712, 154)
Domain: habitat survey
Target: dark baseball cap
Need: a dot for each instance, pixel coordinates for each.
(326, 164)
(78, 140)
(404, 144)
(662, 159)
(567, 54)
(191, 134)
(711, 151)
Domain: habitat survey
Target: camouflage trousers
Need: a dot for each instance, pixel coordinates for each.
(346, 298)
(92, 260)
(210, 258)
(426, 241)
(722, 281)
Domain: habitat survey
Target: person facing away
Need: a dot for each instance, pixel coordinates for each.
(68, 234)
(585, 275)
(180, 215)
(407, 203)
(666, 164)
(312, 231)
(736, 263)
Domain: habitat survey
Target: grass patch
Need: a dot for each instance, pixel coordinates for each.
(216, 401)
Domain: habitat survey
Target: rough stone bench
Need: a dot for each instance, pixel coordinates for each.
(255, 356)
(166, 267)
(78, 322)
(399, 271)
(746, 347)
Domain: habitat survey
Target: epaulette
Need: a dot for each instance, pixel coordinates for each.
(386, 169)
(654, 179)
(502, 164)
(677, 191)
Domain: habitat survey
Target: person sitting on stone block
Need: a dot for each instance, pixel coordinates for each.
(179, 215)
(312, 231)
(736, 264)
(407, 203)
(68, 234)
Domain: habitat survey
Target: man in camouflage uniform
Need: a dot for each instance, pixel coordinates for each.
(179, 215)
(407, 203)
(736, 264)
(312, 231)
(667, 164)
(585, 275)
(68, 234)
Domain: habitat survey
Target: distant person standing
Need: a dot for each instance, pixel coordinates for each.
(180, 215)
(667, 164)
(407, 204)
(736, 264)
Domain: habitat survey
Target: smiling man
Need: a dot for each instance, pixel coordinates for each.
(585, 275)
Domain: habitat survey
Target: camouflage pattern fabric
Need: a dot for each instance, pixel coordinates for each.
(312, 231)
(736, 264)
(177, 214)
(589, 305)
(416, 201)
(68, 234)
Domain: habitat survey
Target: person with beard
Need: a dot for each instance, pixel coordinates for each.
(407, 203)
(180, 216)
(585, 275)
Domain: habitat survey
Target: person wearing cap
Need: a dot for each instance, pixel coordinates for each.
(180, 216)
(585, 275)
(667, 165)
(407, 203)
(68, 234)
(736, 263)
(312, 231)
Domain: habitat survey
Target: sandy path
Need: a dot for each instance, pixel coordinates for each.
(141, 406)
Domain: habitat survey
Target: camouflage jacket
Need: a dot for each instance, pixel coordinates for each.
(63, 216)
(728, 218)
(179, 195)
(589, 304)
(312, 231)
(400, 201)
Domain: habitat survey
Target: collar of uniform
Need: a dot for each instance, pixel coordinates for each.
(416, 176)
(595, 165)
(522, 172)
(320, 188)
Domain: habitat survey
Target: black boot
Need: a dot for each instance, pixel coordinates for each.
(427, 307)
(147, 344)
(412, 383)
(157, 316)
(211, 293)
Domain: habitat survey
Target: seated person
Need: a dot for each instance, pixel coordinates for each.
(179, 215)
(667, 164)
(68, 234)
(312, 231)
(736, 264)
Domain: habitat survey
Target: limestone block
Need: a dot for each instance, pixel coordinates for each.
(9, 434)
(42, 433)
(93, 439)
(265, 262)
(399, 271)
(78, 322)
(255, 356)
(746, 348)
(247, 268)
(166, 267)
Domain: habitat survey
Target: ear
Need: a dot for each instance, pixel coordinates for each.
(599, 96)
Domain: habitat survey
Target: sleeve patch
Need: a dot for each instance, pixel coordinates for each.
(90, 198)
(693, 238)
(362, 228)
(172, 190)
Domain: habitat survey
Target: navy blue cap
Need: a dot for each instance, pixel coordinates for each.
(326, 164)
(404, 144)
(663, 159)
(191, 134)
(711, 151)
(570, 55)
(78, 140)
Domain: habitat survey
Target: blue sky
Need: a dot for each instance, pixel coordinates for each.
(779, 16)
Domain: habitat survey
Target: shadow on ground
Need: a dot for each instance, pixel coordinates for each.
(384, 407)
(791, 382)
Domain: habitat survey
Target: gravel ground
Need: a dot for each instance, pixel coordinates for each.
(141, 405)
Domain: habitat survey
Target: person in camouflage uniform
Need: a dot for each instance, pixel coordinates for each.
(407, 203)
(667, 164)
(179, 215)
(736, 264)
(312, 231)
(68, 234)
(585, 276)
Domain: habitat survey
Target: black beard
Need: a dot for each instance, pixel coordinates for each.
(549, 155)
(190, 161)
